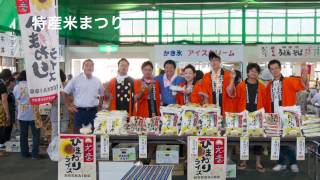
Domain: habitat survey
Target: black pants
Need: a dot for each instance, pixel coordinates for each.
(5, 134)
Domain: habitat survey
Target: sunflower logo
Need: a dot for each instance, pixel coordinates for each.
(66, 148)
(42, 4)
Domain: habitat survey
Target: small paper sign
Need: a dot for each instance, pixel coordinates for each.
(275, 148)
(194, 145)
(244, 148)
(143, 146)
(104, 149)
(301, 148)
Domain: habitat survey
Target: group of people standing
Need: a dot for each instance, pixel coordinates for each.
(85, 94)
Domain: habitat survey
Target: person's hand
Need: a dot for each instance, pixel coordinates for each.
(72, 108)
(233, 73)
(8, 118)
(187, 91)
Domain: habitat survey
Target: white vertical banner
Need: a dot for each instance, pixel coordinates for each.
(244, 148)
(104, 147)
(275, 148)
(143, 146)
(40, 43)
(301, 148)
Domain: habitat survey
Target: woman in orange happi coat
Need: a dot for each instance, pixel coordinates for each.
(191, 88)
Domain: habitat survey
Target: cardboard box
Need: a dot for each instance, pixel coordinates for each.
(167, 154)
(125, 152)
(231, 170)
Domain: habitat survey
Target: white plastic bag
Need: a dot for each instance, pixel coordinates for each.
(53, 149)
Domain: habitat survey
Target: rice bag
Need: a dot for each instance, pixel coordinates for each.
(189, 120)
(170, 117)
(255, 123)
(291, 120)
(234, 123)
(272, 124)
(100, 123)
(135, 125)
(210, 122)
(151, 125)
(116, 122)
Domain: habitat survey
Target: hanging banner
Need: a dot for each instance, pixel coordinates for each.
(197, 53)
(77, 157)
(10, 45)
(40, 49)
(211, 160)
(278, 51)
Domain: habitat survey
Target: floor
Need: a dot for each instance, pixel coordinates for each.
(14, 167)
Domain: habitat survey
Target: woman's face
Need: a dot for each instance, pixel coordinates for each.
(11, 85)
(189, 75)
(147, 72)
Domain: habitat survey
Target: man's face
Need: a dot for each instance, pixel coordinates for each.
(88, 68)
(123, 68)
(275, 70)
(215, 63)
(253, 73)
(169, 70)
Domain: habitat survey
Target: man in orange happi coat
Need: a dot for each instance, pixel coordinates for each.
(120, 92)
(282, 91)
(218, 85)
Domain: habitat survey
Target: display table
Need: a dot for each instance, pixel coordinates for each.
(152, 139)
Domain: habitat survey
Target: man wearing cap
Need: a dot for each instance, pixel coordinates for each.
(218, 85)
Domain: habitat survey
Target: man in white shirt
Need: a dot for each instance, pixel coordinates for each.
(87, 94)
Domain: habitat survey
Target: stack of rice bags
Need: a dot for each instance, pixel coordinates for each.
(254, 123)
(100, 123)
(170, 119)
(234, 123)
(135, 125)
(152, 125)
(210, 121)
(291, 120)
(311, 126)
(189, 120)
(272, 125)
(110, 122)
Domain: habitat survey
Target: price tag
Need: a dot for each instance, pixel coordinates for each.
(275, 148)
(244, 148)
(104, 147)
(301, 148)
(143, 151)
(193, 145)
